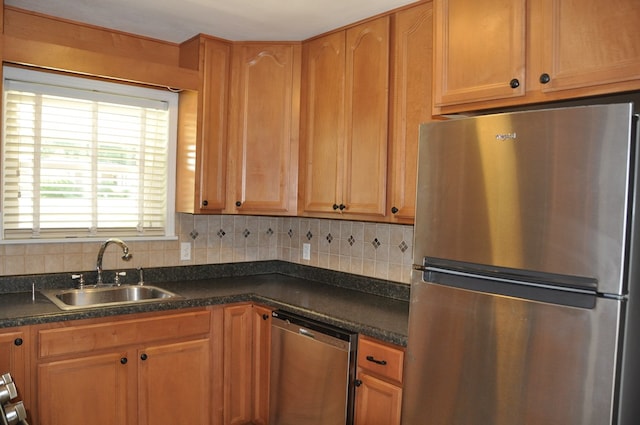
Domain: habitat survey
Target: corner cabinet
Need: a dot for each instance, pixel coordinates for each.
(378, 383)
(151, 369)
(264, 120)
(523, 52)
(412, 64)
(345, 122)
(202, 128)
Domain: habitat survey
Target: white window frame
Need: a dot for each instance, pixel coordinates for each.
(69, 83)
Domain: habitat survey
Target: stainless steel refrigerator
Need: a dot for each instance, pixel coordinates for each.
(524, 297)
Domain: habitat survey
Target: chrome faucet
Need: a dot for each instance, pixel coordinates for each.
(126, 256)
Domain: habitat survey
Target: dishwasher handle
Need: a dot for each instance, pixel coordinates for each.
(305, 332)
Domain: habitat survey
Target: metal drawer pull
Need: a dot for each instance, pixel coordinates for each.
(380, 362)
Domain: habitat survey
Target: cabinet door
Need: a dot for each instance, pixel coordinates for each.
(261, 341)
(479, 50)
(13, 360)
(174, 382)
(213, 151)
(366, 123)
(377, 402)
(411, 95)
(238, 389)
(323, 121)
(265, 118)
(202, 128)
(588, 43)
(89, 390)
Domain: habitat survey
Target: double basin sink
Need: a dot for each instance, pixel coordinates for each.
(102, 296)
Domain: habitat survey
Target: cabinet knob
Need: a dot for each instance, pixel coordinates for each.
(143, 357)
(18, 341)
(265, 316)
(394, 210)
(205, 203)
(545, 78)
(357, 382)
(515, 83)
(238, 204)
(123, 360)
(335, 206)
(342, 207)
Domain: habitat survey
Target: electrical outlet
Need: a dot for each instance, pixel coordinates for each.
(306, 251)
(185, 251)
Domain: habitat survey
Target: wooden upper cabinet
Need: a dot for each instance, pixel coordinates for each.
(479, 50)
(587, 43)
(202, 128)
(323, 119)
(571, 50)
(412, 53)
(264, 128)
(345, 121)
(366, 119)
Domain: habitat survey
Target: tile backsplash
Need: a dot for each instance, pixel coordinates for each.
(377, 250)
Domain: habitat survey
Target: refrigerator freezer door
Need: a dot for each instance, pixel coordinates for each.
(475, 358)
(544, 191)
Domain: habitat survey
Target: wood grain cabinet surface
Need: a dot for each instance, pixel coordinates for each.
(201, 176)
(345, 122)
(378, 383)
(264, 121)
(149, 369)
(15, 346)
(504, 53)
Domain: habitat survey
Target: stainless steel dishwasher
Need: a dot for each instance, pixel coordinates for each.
(312, 372)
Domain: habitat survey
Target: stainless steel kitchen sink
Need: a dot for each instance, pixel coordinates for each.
(69, 299)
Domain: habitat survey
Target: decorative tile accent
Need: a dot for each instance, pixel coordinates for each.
(329, 238)
(403, 246)
(221, 233)
(269, 231)
(351, 240)
(290, 233)
(246, 233)
(309, 235)
(193, 234)
(376, 243)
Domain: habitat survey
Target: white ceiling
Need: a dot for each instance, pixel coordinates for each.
(237, 20)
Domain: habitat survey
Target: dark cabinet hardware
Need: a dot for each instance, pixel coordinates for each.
(515, 83)
(238, 204)
(143, 357)
(545, 78)
(373, 359)
(394, 210)
(123, 360)
(205, 203)
(18, 341)
(358, 382)
(265, 316)
(342, 207)
(335, 206)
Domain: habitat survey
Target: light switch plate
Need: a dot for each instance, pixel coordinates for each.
(185, 251)
(306, 251)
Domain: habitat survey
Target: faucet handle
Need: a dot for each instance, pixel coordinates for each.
(116, 280)
(80, 278)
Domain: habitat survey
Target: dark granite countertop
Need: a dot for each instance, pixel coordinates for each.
(368, 306)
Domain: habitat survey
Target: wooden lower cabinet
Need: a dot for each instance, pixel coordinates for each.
(247, 341)
(142, 369)
(14, 346)
(378, 383)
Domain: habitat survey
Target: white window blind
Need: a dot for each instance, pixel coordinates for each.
(83, 158)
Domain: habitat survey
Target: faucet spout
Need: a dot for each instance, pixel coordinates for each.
(126, 255)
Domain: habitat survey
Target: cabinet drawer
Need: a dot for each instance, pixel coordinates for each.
(380, 359)
(85, 337)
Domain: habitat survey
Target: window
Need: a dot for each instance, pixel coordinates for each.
(85, 158)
